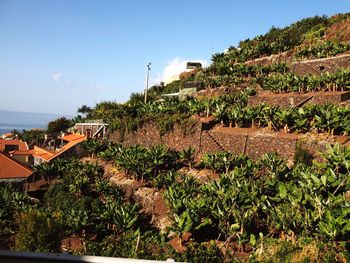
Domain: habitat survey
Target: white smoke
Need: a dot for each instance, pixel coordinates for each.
(173, 70)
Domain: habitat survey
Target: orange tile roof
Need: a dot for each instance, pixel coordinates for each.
(21, 144)
(73, 137)
(42, 153)
(10, 168)
(6, 135)
(65, 148)
(21, 152)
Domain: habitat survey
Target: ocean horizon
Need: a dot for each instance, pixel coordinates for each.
(15, 120)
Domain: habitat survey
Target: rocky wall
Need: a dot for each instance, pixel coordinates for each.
(294, 99)
(258, 145)
(255, 145)
(315, 66)
(234, 143)
(208, 145)
(319, 66)
(250, 142)
(149, 136)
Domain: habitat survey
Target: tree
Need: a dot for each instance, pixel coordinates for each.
(58, 125)
(37, 231)
(85, 110)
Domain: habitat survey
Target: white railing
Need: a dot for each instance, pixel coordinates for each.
(24, 257)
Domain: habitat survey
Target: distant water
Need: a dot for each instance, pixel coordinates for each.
(10, 120)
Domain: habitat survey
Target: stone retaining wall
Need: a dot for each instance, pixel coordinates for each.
(258, 145)
(319, 66)
(252, 144)
(315, 66)
(293, 99)
(149, 136)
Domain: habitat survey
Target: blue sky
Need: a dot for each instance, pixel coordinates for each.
(58, 55)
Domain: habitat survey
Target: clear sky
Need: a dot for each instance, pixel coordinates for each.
(57, 55)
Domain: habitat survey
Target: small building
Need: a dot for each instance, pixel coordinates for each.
(91, 129)
(8, 145)
(68, 146)
(8, 135)
(12, 171)
(193, 65)
(23, 156)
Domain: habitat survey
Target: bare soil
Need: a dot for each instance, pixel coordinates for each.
(202, 175)
(339, 31)
(71, 243)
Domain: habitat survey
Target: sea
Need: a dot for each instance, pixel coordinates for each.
(10, 120)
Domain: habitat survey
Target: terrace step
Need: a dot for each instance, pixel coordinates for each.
(214, 140)
(295, 100)
(303, 102)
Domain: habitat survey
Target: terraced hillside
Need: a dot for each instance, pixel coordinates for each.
(253, 168)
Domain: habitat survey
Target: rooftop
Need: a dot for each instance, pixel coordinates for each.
(72, 139)
(20, 144)
(21, 152)
(11, 169)
(42, 153)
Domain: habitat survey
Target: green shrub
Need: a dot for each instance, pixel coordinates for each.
(302, 156)
(37, 231)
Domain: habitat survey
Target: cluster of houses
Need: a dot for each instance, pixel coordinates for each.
(18, 159)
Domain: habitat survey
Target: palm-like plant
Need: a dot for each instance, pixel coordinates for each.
(187, 156)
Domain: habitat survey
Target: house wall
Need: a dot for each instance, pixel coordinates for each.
(88, 130)
(24, 159)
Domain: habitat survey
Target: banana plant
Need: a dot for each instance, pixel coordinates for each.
(187, 156)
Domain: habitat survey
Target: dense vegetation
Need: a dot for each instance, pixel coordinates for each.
(131, 116)
(231, 111)
(322, 50)
(30, 136)
(304, 38)
(85, 206)
(337, 81)
(329, 119)
(256, 205)
(264, 210)
(280, 39)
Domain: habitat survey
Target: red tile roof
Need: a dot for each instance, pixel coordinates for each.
(73, 137)
(10, 168)
(21, 145)
(7, 135)
(21, 152)
(42, 153)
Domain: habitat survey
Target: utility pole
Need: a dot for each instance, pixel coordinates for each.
(146, 89)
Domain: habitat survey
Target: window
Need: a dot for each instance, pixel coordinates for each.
(9, 148)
